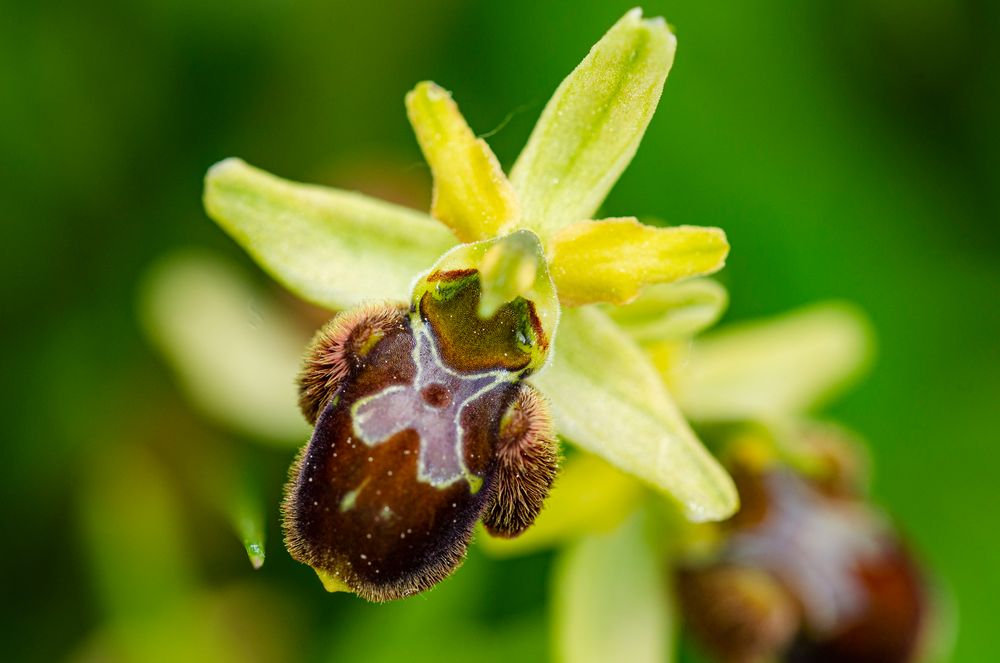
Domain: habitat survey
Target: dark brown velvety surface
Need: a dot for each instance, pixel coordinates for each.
(860, 595)
(398, 535)
(891, 627)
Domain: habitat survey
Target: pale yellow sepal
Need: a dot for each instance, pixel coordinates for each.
(611, 260)
(671, 311)
(610, 599)
(591, 128)
(333, 248)
(233, 351)
(590, 496)
(608, 398)
(766, 369)
(471, 193)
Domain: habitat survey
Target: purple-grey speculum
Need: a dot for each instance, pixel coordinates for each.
(431, 406)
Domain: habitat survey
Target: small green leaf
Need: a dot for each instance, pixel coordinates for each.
(332, 248)
(762, 370)
(246, 512)
(609, 399)
(252, 535)
(591, 128)
(589, 496)
(610, 600)
(234, 353)
(671, 311)
(227, 478)
(612, 260)
(471, 193)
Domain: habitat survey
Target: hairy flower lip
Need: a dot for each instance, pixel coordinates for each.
(358, 512)
(411, 448)
(858, 593)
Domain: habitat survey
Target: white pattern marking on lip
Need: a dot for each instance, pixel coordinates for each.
(431, 405)
(813, 544)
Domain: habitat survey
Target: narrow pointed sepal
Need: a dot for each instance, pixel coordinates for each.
(337, 347)
(592, 126)
(330, 247)
(767, 369)
(527, 463)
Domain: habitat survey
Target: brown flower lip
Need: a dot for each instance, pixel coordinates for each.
(855, 591)
(422, 428)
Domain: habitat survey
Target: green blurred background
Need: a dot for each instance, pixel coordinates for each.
(849, 148)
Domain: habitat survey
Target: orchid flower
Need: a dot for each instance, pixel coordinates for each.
(490, 309)
(470, 340)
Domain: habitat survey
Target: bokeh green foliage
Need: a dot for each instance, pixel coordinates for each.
(847, 148)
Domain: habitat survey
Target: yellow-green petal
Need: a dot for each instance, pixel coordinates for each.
(472, 196)
(612, 260)
(234, 353)
(591, 128)
(765, 369)
(333, 248)
(608, 398)
(610, 600)
(671, 311)
(589, 496)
